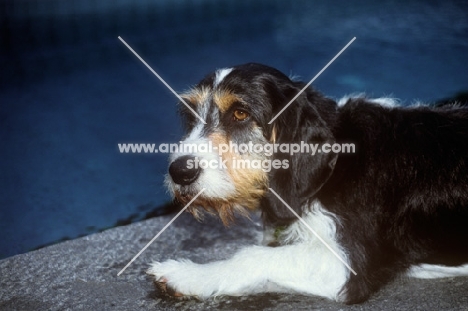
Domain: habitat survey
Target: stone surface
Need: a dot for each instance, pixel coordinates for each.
(82, 274)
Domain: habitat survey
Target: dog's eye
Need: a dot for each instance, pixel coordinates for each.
(240, 115)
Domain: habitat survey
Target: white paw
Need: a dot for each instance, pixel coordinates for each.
(181, 278)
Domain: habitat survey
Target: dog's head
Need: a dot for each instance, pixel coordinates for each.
(225, 157)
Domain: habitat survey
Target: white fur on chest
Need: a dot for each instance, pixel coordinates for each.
(303, 264)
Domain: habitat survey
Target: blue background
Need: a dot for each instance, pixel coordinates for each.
(70, 91)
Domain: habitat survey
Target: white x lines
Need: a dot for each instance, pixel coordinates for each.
(201, 119)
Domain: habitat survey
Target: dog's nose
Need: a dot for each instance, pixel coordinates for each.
(184, 170)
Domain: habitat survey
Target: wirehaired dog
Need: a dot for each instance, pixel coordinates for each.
(397, 205)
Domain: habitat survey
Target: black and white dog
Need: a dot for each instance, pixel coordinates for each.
(396, 205)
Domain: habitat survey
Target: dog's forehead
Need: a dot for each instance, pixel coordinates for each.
(225, 87)
(225, 90)
(216, 89)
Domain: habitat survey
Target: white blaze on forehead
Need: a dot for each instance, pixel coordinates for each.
(220, 75)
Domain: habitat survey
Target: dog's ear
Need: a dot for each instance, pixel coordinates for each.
(307, 121)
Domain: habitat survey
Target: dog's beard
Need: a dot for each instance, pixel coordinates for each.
(225, 209)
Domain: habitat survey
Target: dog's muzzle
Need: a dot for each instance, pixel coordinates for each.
(182, 173)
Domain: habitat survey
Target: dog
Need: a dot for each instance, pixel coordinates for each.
(397, 205)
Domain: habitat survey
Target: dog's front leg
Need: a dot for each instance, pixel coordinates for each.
(305, 268)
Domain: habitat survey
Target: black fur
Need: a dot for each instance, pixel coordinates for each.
(401, 198)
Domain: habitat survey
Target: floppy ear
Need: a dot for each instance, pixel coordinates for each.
(301, 123)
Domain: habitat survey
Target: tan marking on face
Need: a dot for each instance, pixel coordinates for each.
(225, 99)
(197, 96)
